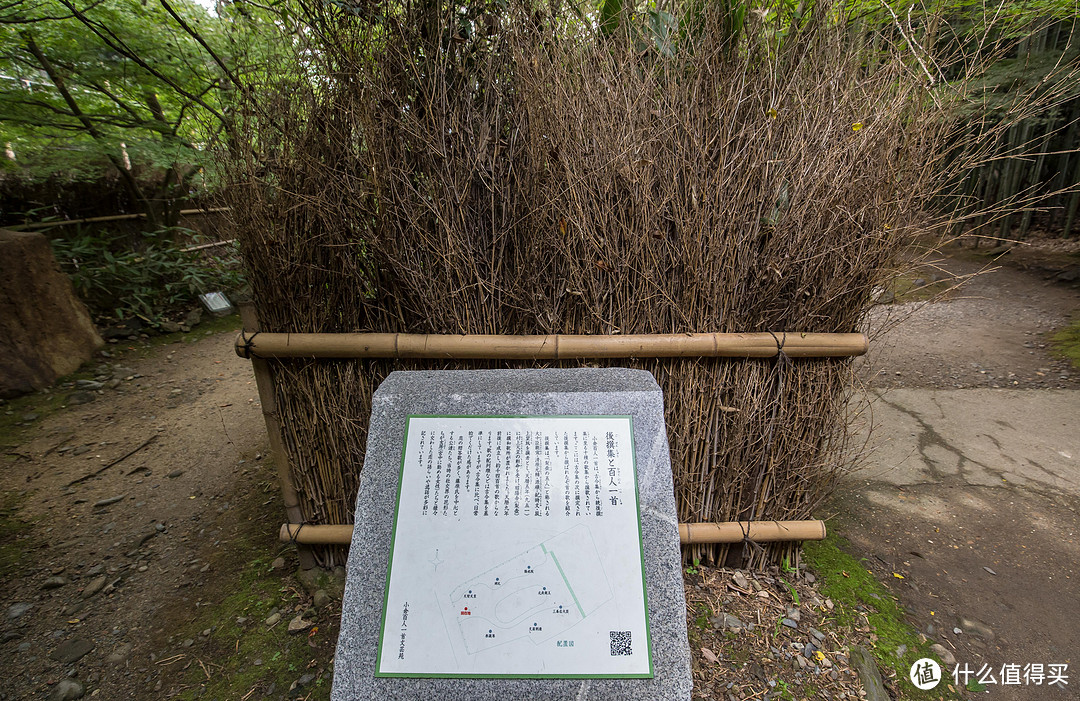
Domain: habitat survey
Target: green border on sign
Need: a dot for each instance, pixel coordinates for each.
(393, 536)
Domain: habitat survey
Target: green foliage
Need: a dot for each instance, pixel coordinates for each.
(138, 89)
(1066, 343)
(858, 597)
(14, 532)
(147, 283)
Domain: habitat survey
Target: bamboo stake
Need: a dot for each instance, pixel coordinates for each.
(689, 533)
(552, 347)
(265, 384)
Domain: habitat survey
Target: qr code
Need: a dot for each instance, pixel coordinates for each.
(620, 643)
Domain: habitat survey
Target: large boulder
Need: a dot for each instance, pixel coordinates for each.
(45, 331)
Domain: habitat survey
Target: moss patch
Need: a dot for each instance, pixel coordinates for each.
(916, 286)
(244, 657)
(14, 536)
(243, 654)
(1066, 343)
(861, 601)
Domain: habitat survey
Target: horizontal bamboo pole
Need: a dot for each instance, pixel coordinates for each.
(551, 347)
(689, 533)
(111, 217)
(757, 531)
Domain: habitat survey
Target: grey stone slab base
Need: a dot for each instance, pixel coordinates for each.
(513, 392)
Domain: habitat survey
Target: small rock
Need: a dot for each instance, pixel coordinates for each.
(119, 654)
(94, 587)
(817, 634)
(113, 383)
(864, 665)
(740, 580)
(298, 624)
(794, 614)
(89, 384)
(80, 449)
(278, 564)
(901, 650)
(257, 662)
(30, 417)
(71, 651)
(304, 680)
(810, 578)
(109, 501)
(159, 527)
(188, 642)
(170, 327)
(321, 599)
(174, 474)
(23, 647)
(789, 623)
(194, 317)
(957, 631)
(726, 620)
(206, 633)
(944, 654)
(273, 619)
(990, 570)
(67, 689)
(54, 583)
(970, 625)
(76, 398)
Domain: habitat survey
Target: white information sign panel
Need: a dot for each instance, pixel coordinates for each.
(516, 551)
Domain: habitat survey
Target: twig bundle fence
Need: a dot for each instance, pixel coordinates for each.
(524, 168)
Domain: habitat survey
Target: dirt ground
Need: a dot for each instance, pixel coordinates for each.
(971, 491)
(105, 575)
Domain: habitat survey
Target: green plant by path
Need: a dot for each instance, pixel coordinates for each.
(1066, 343)
(119, 283)
(859, 598)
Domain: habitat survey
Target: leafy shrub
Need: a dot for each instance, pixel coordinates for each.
(158, 279)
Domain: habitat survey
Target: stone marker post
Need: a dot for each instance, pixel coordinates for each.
(516, 537)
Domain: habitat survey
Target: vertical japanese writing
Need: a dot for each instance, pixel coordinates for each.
(515, 472)
(613, 469)
(497, 471)
(597, 494)
(586, 473)
(438, 473)
(427, 477)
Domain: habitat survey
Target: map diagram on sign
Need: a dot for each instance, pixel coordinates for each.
(534, 595)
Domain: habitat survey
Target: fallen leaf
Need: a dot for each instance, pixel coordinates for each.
(898, 576)
(709, 655)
